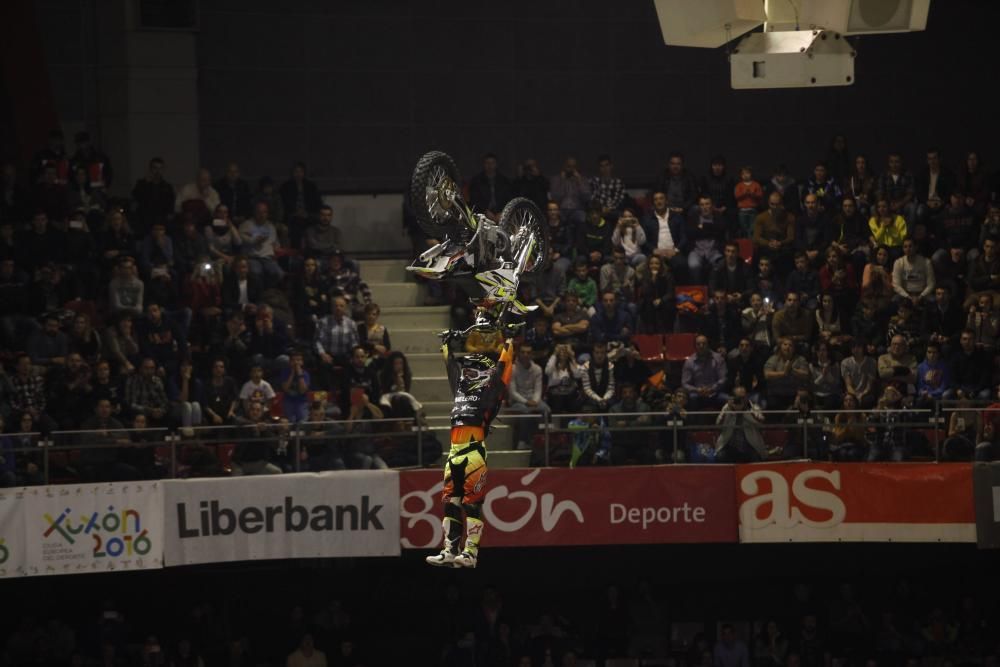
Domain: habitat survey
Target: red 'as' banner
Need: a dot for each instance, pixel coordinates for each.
(558, 506)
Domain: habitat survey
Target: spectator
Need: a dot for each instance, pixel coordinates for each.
(611, 322)
(749, 196)
(295, 382)
(549, 286)
(322, 446)
(655, 297)
(804, 281)
(122, 344)
(666, 235)
(336, 336)
(161, 338)
(838, 277)
(826, 383)
(597, 377)
(942, 321)
(257, 444)
(954, 226)
(984, 271)
(876, 282)
(70, 392)
(373, 335)
(971, 368)
(256, 389)
(14, 201)
(359, 376)
(562, 239)
(395, 380)
(824, 187)
(115, 242)
(241, 288)
(849, 234)
(629, 237)
(156, 254)
(848, 440)
(913, 276)
(198, 198)
(190, 249)
(887, 229)
(49, 346)
(49, 195)
(963, 430)
(932, 188)
(606, 188)
(275, 204)
(905, 323)
(269, 342)
(539, 336)
(774, 232)
(323, 239)
(223, 238)
(152, 197)
(756, 324)
(98, 459)
(106, 387)
(745, 369)
(933, 378)
(583, 286)
(306, 655)
(812, 230)
(524, 396)
(679, 186)
(41, 243)
(768, 283)
(145, 394)
(739, 441)
(861, 185)
(260, 241)
(895, 186)
(988, 445)
(785, 372)
(594, 238)
(860, 374)
(561, 375)
(203, 299)
(489, 190)
(793, 321)
(220, 396)
(829, 327)
(345, 281)
(531, 183)
(571, 191)
(732, 276)
(704, 376)
(891, 441)
(721, 323)
(310, 298)
(126, 290)
(234, 192)
(705, 233)
(634, 447)
(898, 367)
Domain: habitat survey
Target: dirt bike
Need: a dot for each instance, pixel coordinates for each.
(491, 257)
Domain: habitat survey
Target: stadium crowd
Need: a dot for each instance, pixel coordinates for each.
(216, 303)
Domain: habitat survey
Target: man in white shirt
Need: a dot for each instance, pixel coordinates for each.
(306, 655)
(524, 395)
(913, 276)
(201, 189)
(260, 240)
(666, 236)
(256, 389)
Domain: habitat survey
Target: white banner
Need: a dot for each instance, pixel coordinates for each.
(81, 528)
(305, 515)
(11, 533)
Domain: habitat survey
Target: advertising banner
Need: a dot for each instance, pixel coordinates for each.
(558, 506)
(83, 528)
(304, 515)
(873, 502)
(986, 480)
(11, 533)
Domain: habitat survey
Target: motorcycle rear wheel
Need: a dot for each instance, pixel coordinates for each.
(436, 197)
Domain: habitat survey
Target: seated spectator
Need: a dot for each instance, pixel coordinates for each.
(300, 200)
(774, 233)
(838, 278)
(984, 271)
(666, 236)
(655, 297)
(868, 328)
(850, 233)
(943, 321)
(630, 237)
(633, 447)
(611, 322)
(295, 382)
(733, 276)
(804, 281)
(618, 276)
(323, 448)
(813, 230)
(562, 239)
(756, 324)
(971, 368)
(984, 322)
(571, 326)
(905, 323)
(490, 190)
(257, 444)
(336, 336)
(220, 397)
(705, 234)
(84, 340)
(125, 291)
(891, 442)
(306, 655)
(594, 238)
(988, 444)
(887, 229)
(52, 289)
(345, 281)
(876, 282)
(860, 374)
(793, 321)
(740, 440)
(963, 431)
(597, 380)
(269, 341)
(242, 290)
(898, 367)
(256, 389)
(540, 337)
(190, 249)
(42, 242)
(745, 369)
(153, 197)
(704, 377)
(310, 297)
(561, 380)
(913, 276)
(826, 383)
(955, 227)
(49, 346)
(607, 189)
(199, 197)
(121, 344)
(71, 396)
(749, 196)
(785, 371)
(361, 453)
(374, 336)
(524, 396)
(146, 395)
(679, 185)
(107, 387)
(768, 283)
(952, 270)
(234, 192)
(322, 240)
(260, 241)
(932, 187)
(161, 338)
(222, 237)
(829, 327)
(629, 366)
(721, 322)
(849, 433)
(99, 458)
(571, 191)
(359, 375)
(395, 380)
(933, 378)
(156, 255)
(896, 187)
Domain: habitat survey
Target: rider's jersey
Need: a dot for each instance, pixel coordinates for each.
(478, 382)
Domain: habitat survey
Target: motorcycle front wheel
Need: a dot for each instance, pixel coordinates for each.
(436, 198)
(527, 229)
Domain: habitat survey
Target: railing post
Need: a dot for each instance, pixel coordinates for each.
(420, 443)
(45, 444)
(546, 435)
(805, 438)
(297, 448)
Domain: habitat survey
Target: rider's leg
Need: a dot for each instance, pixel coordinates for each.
(473, 527)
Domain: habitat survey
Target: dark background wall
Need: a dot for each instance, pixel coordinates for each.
(360, 90)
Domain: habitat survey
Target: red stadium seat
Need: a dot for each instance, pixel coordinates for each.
(678, 347)
(746, 250)
(650, 346)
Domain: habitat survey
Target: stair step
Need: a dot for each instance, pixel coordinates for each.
(432, 318)
(509, 458)
(437, 411)
(384, 270)
(414, 340)
(431, 388)
(426, 364)
(387, 294)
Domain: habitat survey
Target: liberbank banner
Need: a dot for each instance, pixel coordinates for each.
(305, 515)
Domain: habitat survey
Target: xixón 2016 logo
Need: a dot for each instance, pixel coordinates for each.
(115, 533)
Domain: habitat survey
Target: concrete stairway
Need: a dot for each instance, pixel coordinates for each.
(412, 330)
